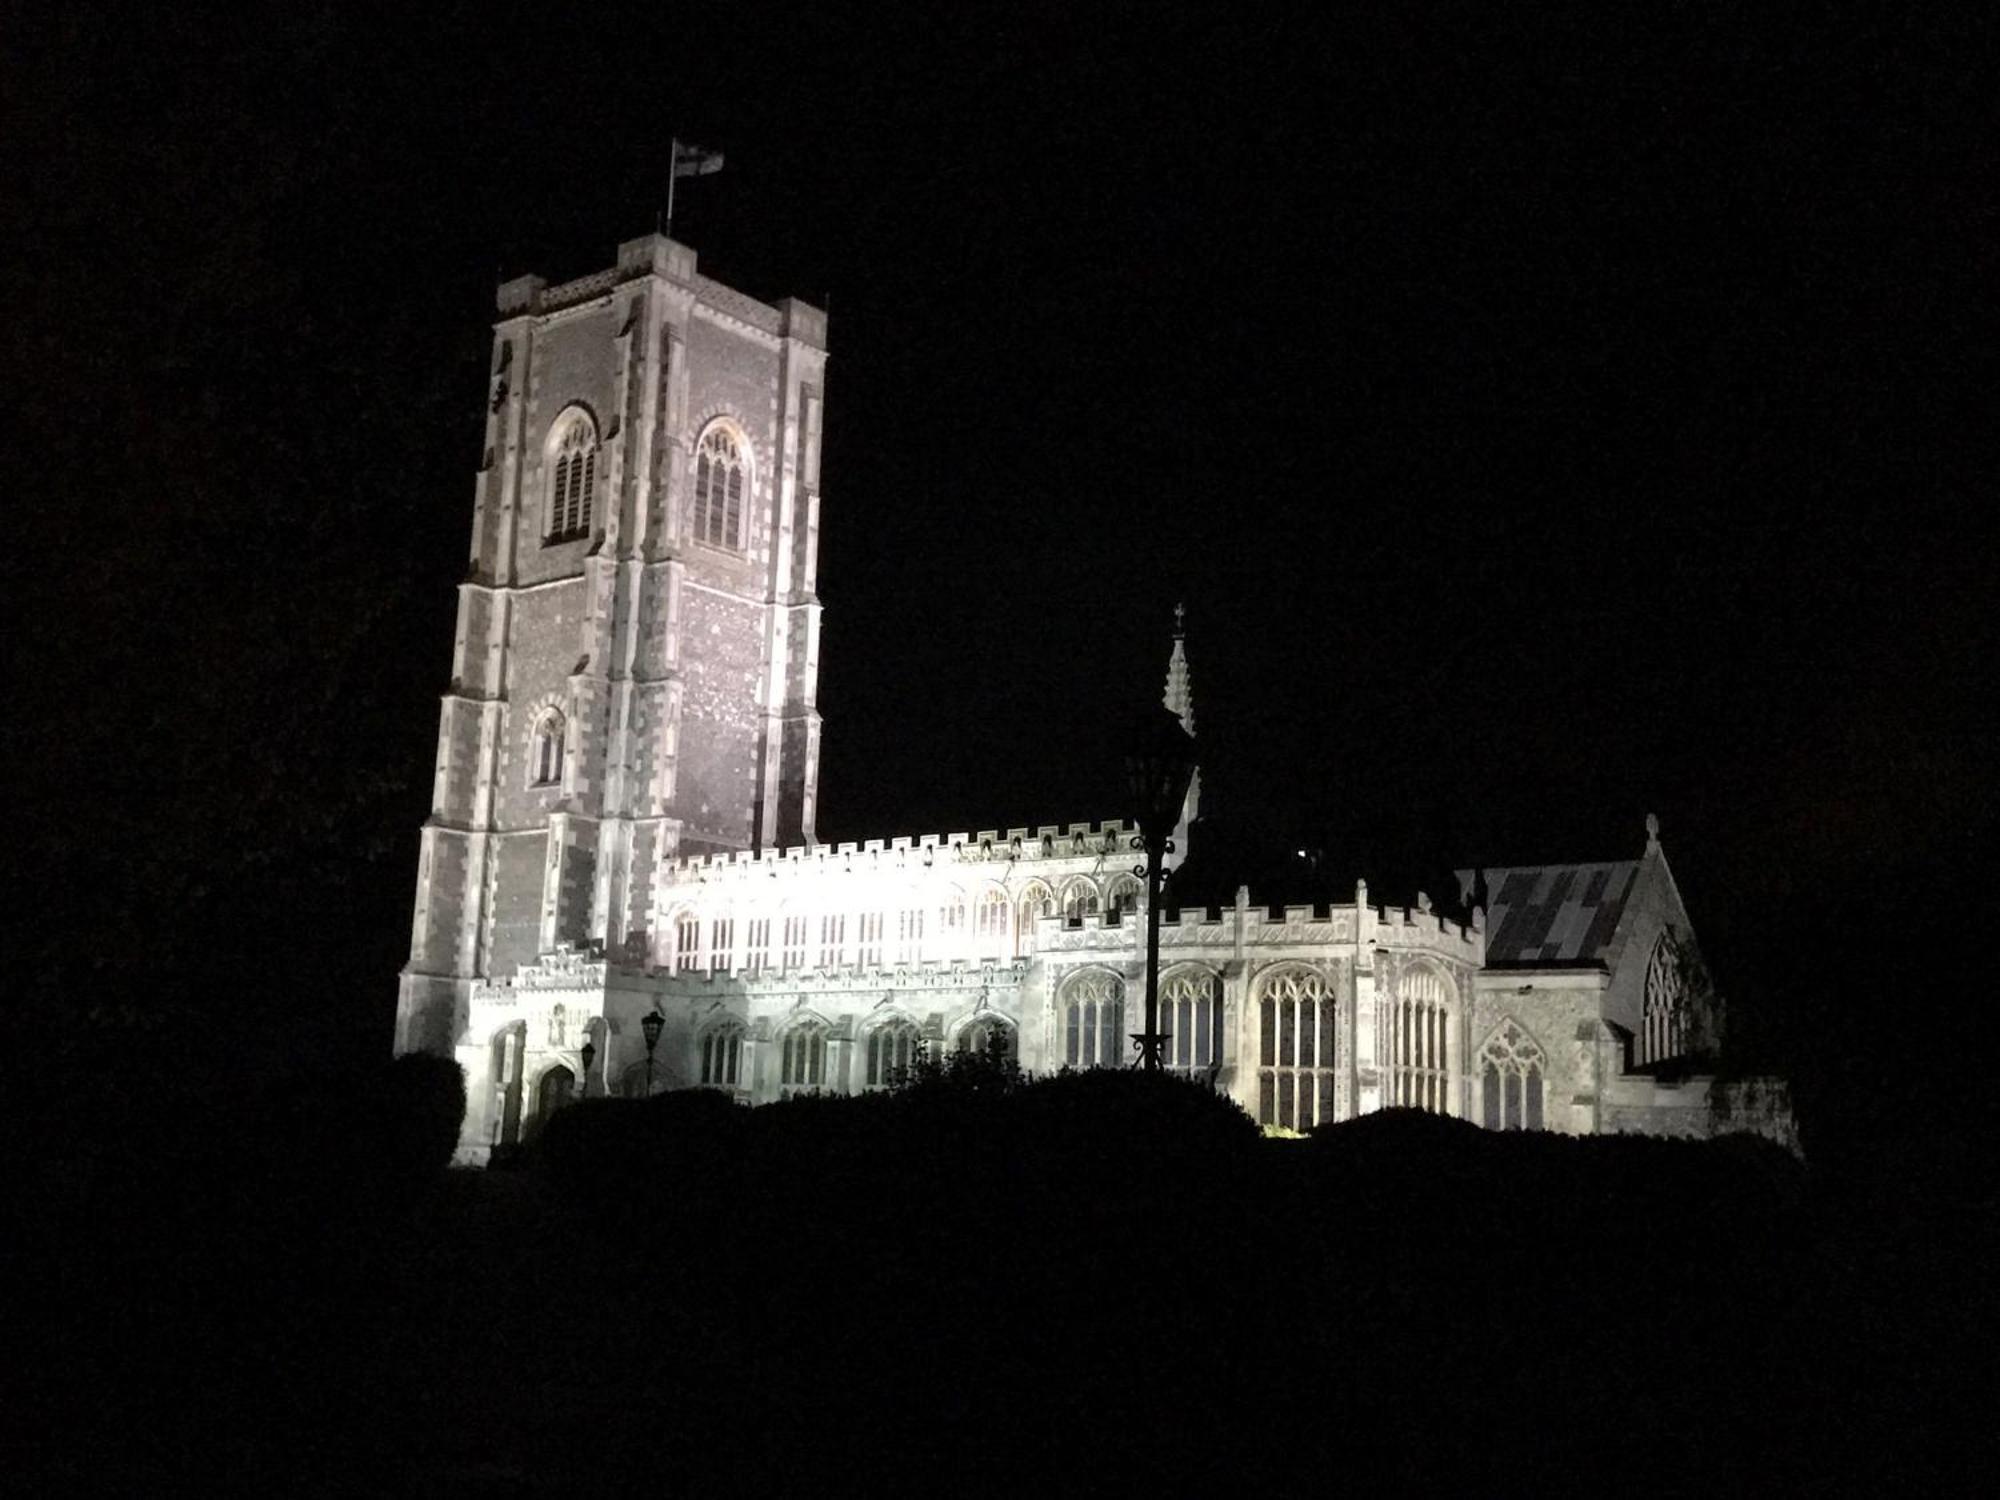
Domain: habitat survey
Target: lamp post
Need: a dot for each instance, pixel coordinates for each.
(650, 1024)
(1159, 764)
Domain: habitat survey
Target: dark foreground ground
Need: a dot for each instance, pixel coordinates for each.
(1085, 1284)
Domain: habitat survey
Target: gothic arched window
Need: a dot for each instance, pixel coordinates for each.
(545, 752)
(1079, 900)
(1511, 1074)
(722, 1056)
(1299, 1052)
(989, 1036)
(989, 921)
(804, 1059)
(892, 1049)
(1662, 1032)
(1191, 1016)
(721, 476)
(1126, 896)
(1093, 1020)
(1418, 1044)
(572, 468)
(1036, 902)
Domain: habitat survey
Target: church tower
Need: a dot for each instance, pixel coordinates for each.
(637, 644)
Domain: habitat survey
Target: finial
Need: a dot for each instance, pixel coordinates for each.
(1180, 622)
(1652, 830)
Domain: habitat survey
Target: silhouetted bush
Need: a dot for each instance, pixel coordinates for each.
(419, 1106)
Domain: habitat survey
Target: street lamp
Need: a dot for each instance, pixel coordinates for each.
(1159, 764)
(651, 1024)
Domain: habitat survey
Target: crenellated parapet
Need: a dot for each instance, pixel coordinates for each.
(1051, 843)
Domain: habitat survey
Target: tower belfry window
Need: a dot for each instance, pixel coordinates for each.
(572, 468)
(719, 483)
(546, 760)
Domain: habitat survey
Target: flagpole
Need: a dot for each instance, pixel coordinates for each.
(673, 171)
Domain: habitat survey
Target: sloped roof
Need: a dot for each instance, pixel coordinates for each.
(1555, 916)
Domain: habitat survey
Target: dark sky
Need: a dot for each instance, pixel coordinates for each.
(1547, 419)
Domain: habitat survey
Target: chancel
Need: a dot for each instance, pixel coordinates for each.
(620, 891)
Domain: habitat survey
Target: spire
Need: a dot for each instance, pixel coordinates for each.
(1179, 699)
(1180, 690)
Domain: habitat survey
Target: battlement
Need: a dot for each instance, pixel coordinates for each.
(1049, 842)
(957, 973)
(655, 254)
(1414, 926)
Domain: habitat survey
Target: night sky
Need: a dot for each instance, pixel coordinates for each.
(1547, 420)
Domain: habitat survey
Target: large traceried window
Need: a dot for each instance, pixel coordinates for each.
(1126, 897)
(721, 944)
(1663, 1019)
(572, 470)
(720, 479)
(804, 1058)
(545, 751)
(989, 1036)
(951, 924)
(1417, 1049)
(1298, 1051)
(1035, 903)
(989, 922)
(1093, 1020)
(892, 1048)
(1511, 1071)
(1079, 900)
(1191, 1016)
(722, 1057)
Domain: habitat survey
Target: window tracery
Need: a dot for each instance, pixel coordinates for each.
(1191, 1015)
(1093, 1012)
(1511, 1073)
(804, 1059)
(720, 479)
(1417, 1049)
(1299, 1050)
(990, 922)
(1079, 900)
(1126, 895)
(572, 469)
(989, 1035)
(892, 1049)
(1662, 1031)
(1036, 902)
(722, 1057)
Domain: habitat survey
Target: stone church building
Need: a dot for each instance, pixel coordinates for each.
(627, 765)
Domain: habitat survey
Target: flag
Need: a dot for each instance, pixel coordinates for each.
(692, 161)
